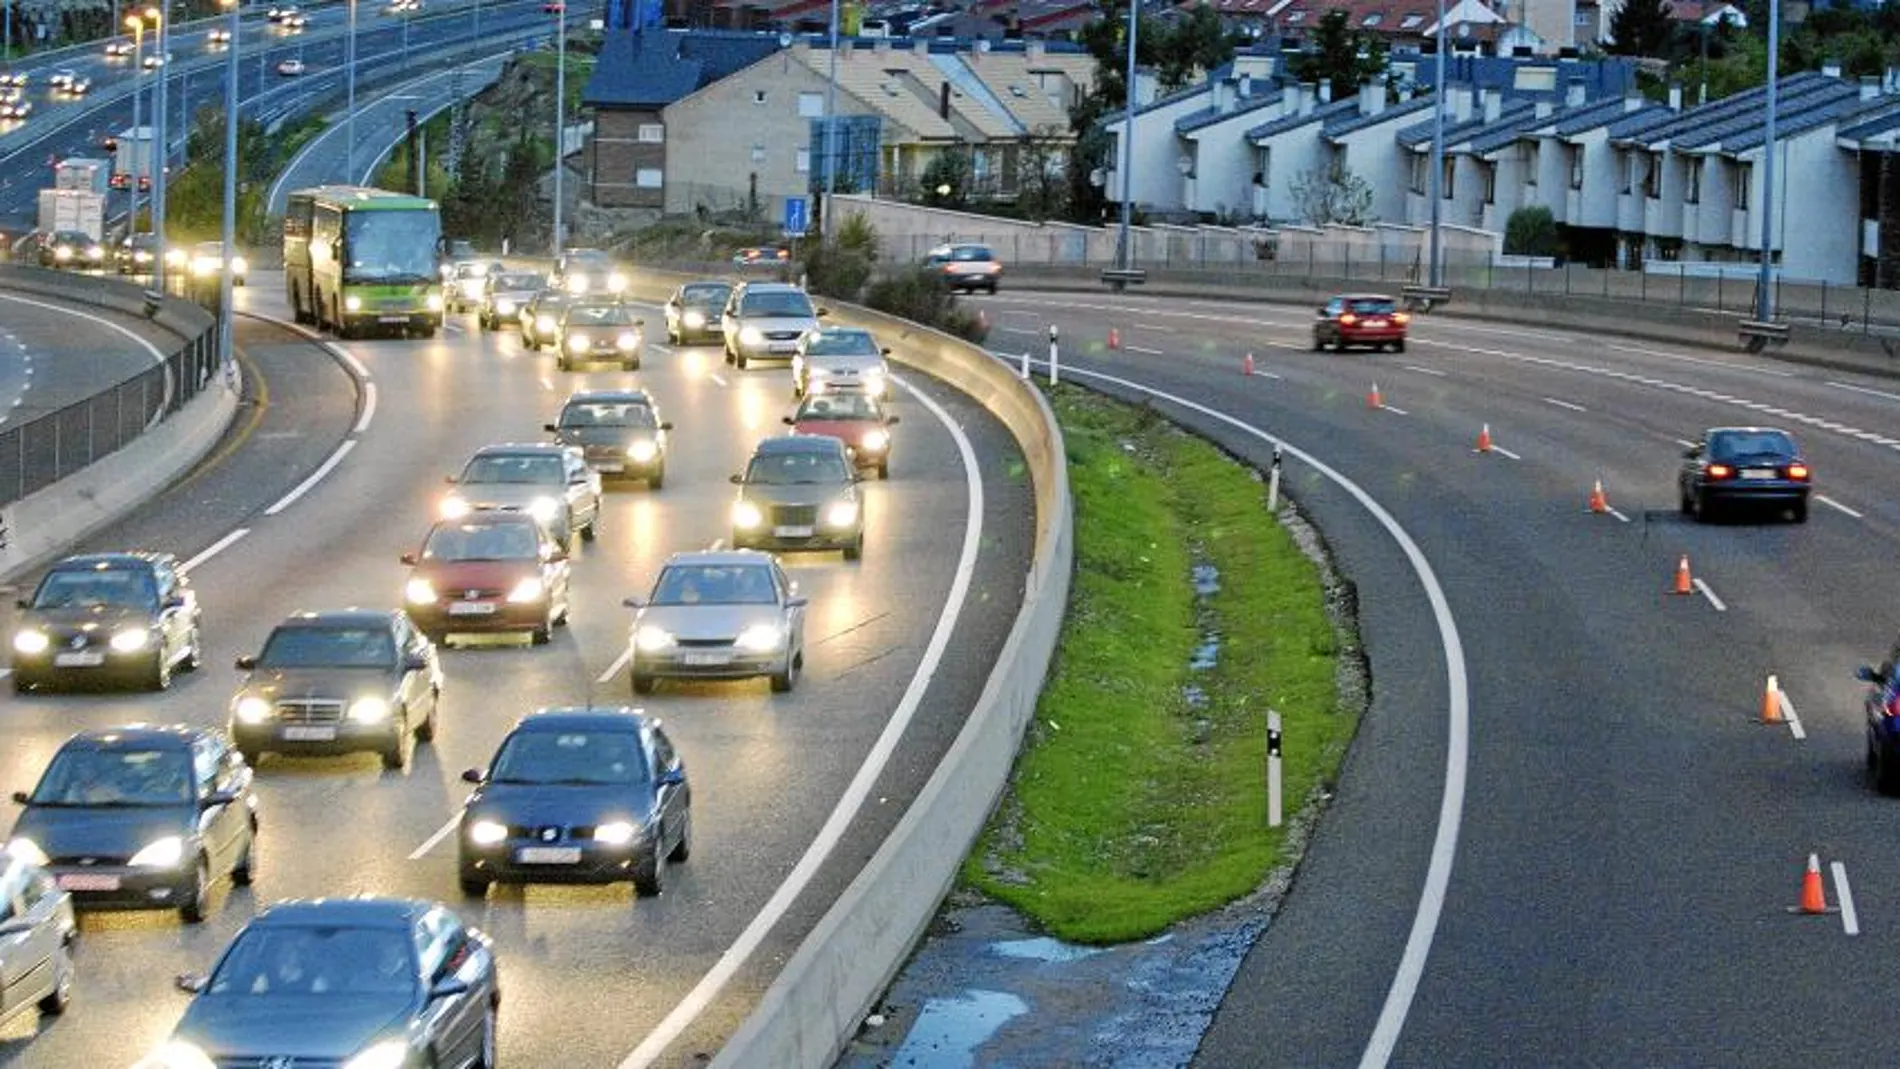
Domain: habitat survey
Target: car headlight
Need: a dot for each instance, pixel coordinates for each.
(652, 639)
(471, 287)
(253, 710)
(486, 832)
(389, 1054)
(694, 320)
(454, 508)
(238, 266)
(31, 641)
(27, 850)
(178, 1054)
(529, 589)
(745, 514)
(504, 306)
(842, 513)
(617, 282)
(751, 336)
(544, 509)
(628, 341)
(203, 266)
(131, 640)
(874, 382)
(352, 303)
(177, 257)
(163, 853)
(371, 710)
(142, 257)
(818, 372)
(759, 638)
(419, 591)
(544, 324)
(615, 833)
(95, 252)
(876, 441)
(642, 451)
(62, 253)
(577, 343)
(577, 284)
(433, 302)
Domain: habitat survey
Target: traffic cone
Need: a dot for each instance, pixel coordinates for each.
(1374, 399)
(1484, 439)
(1246, 366)
(1813, 896)
(1114, 338)
(1598, 501)
(1684, 584)
(1771, 702)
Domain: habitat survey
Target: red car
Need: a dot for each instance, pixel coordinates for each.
(488, 572)
(854, 418)
(1367, 319)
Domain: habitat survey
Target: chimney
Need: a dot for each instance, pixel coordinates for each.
(1246, 86)
(1223, 95)
(1575, 93)
(1675, 96)
(1459, 101)
(1831, 68)
(1891, 83)
(1546, 108)
(1869, 88)
(943, 102)
(920, 46)
(1326, 91)
(1372, 97)
(1034, 49)
(1493, 104)
(1405, 91)
(1307, 93)
(1147, 89)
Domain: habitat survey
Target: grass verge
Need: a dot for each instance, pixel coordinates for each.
(1133, 805)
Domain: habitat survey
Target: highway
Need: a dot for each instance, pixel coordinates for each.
(330, 475)
(1562, 837)
(52, 354)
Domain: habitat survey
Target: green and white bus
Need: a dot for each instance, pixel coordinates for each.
(359, 259)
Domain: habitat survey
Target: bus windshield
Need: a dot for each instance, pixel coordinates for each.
(390, 246)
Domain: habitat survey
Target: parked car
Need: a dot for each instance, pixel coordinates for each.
(115, 615)
(720, 614)
(1745, 466)
(765, 320)
(1368, 319)
(965, 266)
(37, 932)
(546, 480)
(798, 492)
(694, 311)
(488, 572)
(842, 358)
(619, 433)
(854, 418)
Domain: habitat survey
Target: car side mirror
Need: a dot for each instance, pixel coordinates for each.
(22, 603)
(884, 352)
(736, 480)
(246, 663)
(1865, 673)
(408, 558)
(1322, 313)
(672, 777)
(666, 426)
(893, 420)
(450, 479)
(217, 798)
(471, 775)
(21, 798)
(797, 601)
(788, 421)
(554, 554)
(823, 312)
(189, 983)
(15, 926)
(1691, 454)
(415, 662)
(551, 428)
(639, 322)
(634, 602)
(176, 601)
(448, 988)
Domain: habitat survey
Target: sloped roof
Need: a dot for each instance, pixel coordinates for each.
(1866, 127)
(1206, 117)
(1850, 111)
(1573, 121)
(1794, 93)
(865, 74)
(1458, 133)
(654, 68)
(1320, 114)
(1347, 124)
(1014, 78)
(1512, 122)
(970, 96)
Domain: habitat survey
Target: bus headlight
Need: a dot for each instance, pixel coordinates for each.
(433, 302)
(352, 303)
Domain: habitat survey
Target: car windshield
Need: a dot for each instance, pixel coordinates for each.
(580, 758)
(584, 262)
(117, 588)
(716, 584)
(606, 414)
(471, 270)
(839, 406)
(1728, 444)
(328, 647)
(705, 296)
(550, 303)
(514, 468)
(1377, 306)
(517, 281)
(599, 315)
(970, 254)
(842, 343)
(777, 303)
(116, 776)
(390, 246)
(482, 541)
(271, 961)
(781, 469)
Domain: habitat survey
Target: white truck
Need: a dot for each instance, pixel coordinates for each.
(132, 158)
(73, 209)
(79, 173)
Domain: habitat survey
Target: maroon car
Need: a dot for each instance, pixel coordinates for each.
(1368, 319)
(854, 418)
(488, 572)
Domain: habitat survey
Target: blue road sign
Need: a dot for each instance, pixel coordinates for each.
(797, 216)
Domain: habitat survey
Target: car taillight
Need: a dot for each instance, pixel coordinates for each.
(1401, 318)
(1719, 471)
(1798, 471)
(1348, 319)
(1893, 704)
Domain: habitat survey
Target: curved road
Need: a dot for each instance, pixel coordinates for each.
(1562, 837)
(589, 973)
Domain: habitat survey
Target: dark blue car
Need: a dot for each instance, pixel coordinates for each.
(1745, 466)
(1883, 722)
(577, 796)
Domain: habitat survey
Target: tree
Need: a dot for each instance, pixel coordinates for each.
(1531, 231)
(1333, 194)
(1642, 28)
(1042, 186)
(946, 179)
(470, 207)
(1342, 56)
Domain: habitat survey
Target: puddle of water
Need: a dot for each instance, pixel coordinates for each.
(1042, 949)
(948, 1031)
(1206, 580)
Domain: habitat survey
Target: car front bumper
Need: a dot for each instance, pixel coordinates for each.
(706, 663)
(114, 668)
(568, 861)
(491, 616)
(778, 538)
(315, 740)
(122, 886)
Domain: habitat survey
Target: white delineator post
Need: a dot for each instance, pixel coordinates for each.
(1273, 768)
(1054, 359)
(1273, 482)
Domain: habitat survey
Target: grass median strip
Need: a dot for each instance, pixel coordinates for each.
(1139, 798)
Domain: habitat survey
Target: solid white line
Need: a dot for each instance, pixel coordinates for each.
(214, 549)
(435, 840)
(1619, 516)
(369, 407)
(1793, 718)
(1710, 594)
(356, 366)
(315, 477)
(1265, 375)
(1685, 443)
(1565, 404)
(1394, 409)
(1017, 330)
(1833, 504)
(1145, 351)
(546, 383)
(1723, 364)
(852, 801)
(151, 350)
(1503, 452)
(614, 669)
(1423, 370)
(1156, 327)
(1865, 390)
(1850, 920)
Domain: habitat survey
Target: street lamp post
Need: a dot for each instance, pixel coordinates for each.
(831, 131)
(229, 245)
(349, 106)
(1434, 275)
(1764, 286)
(136, 23)
(560, 115)
(1124, 254)
(161, 154)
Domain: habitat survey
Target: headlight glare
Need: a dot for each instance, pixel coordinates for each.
(486, 833)
(544, 324)
(163, 853)
(418, 591)
(529, 589)
(504, 306)
(434, 302)
(352, 304)
(577, 343)
(31, 641)
(617, 282)
(371, 710)
(642, 451)
(62, 253)
(876, 441)
(615, 833)
(131, 640)
(577, 284)
(389, 1054)
(842, 513)
(253, 710)
(544, 509)
(628, 341)
(652, 639)
(454, 508)
(694, 320)
(27, 850)
(751, 336)
(746, 514)
(759, 638)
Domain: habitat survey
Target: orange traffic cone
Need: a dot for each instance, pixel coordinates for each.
(1813, 896)
(1373, 399)
(1684, 584)
(1114, 338)
(1246, 366)
(1771, 702)
(1599, 502)
(1484, 439)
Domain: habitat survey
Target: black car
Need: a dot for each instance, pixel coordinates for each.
(541, 317)
(1882, 702)
(334, 682)
(142, 817)
(593, 795)
(348, 982)
(136, 255)
(693, 312)
(598, 330)
(588, 273)
(73, 250)
(620, 432)
(107, 615)
(799, 492)
(1745, 466)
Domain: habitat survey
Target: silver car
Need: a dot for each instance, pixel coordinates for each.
(765, 320)
(36, 940)
(841, 358)
(547, 480)
(506, 295)
(730, 614)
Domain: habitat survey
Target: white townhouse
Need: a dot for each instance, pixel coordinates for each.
(1468, 185)
(1366, 141)
(1215, 162)
(1292, 145)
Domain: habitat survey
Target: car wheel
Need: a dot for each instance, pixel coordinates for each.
(401, 744)
(992, 289)
(784, 681)
(740, 361)
(1684, 502)
(649, 874)
(855, 549)
(658, 479)
(1398, 346)
(489, 1045)
(1699, 507)
(160, 677)
(643, 683)
(61, 996)
(1319, 343)
(251, 754)
(684, 848)
(473, 883)
(543, 634)
(591, 530)
(1800, 512)
(425, 732)
(194, 651)
(883, 469)
(245, 872)
(560, 360)
(1886, 774)
(630, 365)
(195, 904)
(21, 683)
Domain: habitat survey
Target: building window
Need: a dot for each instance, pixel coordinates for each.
(1652, 177)
(758, 96)
(803, 164)
(1372, 20)
(652, 133)
(1629, 173)
(1451, 172)
(1490, 183)
(1692, 182)
(1263, 166)
(1584, 18)
(758, 153)
(1420, 163)
(1576, 166)
(811, 105)
(1744, 181)
(1411, 22)
(1527, 159)
(648, 178)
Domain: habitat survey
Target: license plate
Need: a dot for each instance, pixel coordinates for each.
(309, 734)
(88, 881)
(783, 347)
(609, 466)
(792, 532)
(708, 660)
(392, 319)
(1376, 324)
(471, 608)
(548, 855)
(1758, 473)
(79, 660)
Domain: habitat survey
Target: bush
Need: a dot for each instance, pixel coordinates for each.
(1531, 231)
(835, 271)
(919, 295)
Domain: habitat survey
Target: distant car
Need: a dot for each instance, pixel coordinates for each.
(218, 37)
(488, 572)
(290, 68)
(61, 78)
(854, 418)
(585, 272)
(846, 358)
(125, 615)
(463, 288)
(1882, 704)
(142, 817)
(1745, 466)
(541, 317)
(13, 79)
(72, 249)
(723, 614)
(598, 330)
(155, 61)
(76, 86)
(765, 320)
(967, 267)
(356, 983)
(207, 262)
(799, 492)
(546, 480)
(335, 682)
(505, 293)
(553, 7)
(37, 932)
(693, 312)
(281, 12)
(619, 432)
(1367, 319)
(294, 23)
(16, 109)
(752, 257)
(136, 254)
(593, 795)
(118, 49)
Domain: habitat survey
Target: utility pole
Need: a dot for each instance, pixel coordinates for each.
(560, 117)
(1123, 254)
(1433, 276)
(161, 148)
(1765, 285)
(349, 107)
(831, 132)
(226, 318)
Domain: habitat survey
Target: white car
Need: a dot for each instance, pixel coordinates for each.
(154, 62)
(15, 109)
(118, 49)
(290, 68)
(218, 37)
(60, 79)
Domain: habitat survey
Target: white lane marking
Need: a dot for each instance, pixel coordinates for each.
(1424, 370)
(1836, 505)
(1451, 804)
(717, 545)
(1503, 452)
(356, 366)
(1703, 586)
(718, 378)
(1265, 375)
(158, 357)
(1144, 350)
(435, 840)
(1394, 409)
(369, 407)
(1865, 390)
(849, 804)
(315, 477)
(1017, 330)
(1619, 516)
(1788, 713)
(1685, 443)
(1565, 404)
(1850, 920)
(5, 672)
(1697, 360)
(546, 383)
(213, 549)
(1156, 327)
(619, 665)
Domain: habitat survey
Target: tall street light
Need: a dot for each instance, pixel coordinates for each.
(1764, 286)
(560, 114)
(229, 246)
(1124, 254)
(831, 132)
(1434, 276)
(136, 23)
(349, 107)
(161, 145)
